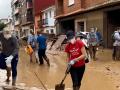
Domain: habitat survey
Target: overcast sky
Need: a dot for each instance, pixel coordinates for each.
(5, 8)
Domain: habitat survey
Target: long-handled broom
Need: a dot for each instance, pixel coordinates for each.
(61, 86)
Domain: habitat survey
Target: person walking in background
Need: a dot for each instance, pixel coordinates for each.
(76, 54)
(116, 44)
(93, 42)
(100, 39)
(99, 36)
(32, 39)
(9, 55)
(42, 46)
(83, 37)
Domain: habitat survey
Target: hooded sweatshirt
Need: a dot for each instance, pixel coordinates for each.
(9, 46)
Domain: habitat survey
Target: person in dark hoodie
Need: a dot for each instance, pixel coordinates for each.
(9, 55)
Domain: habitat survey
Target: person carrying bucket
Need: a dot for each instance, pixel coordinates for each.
(9, 55)
(32, 39)
(76, 54)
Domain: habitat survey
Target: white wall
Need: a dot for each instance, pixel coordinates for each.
(49, 13)
(48, 30)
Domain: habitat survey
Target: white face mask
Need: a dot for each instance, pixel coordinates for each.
(72, 41)
(7, 36)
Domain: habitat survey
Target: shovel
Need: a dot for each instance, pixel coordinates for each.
(61, 86)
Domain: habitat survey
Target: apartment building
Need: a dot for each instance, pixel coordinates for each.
(22, 14)
(27, 20)
(48, 20)
(4, 20)
(81, 15)
(15, 5)
(40, 7)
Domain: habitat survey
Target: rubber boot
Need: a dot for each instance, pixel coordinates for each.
(8, 69)
(31, 58)
(48, 62)
(76, 88)
(13, 81)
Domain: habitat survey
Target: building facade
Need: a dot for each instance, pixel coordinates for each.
(48, 20)
(22, 14)
(4, 20)
(81, 15)
(39, 7)
(16, 20)
(27, 20)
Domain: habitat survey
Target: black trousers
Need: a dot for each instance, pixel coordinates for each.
(13, 64)
(42, 55)
(77, 75)
(114, 51)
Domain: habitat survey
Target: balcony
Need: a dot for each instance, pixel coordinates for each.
(29, 18)
(29, 5)
(17, 10)
(15, 1)
(17, 22)
(29, 15)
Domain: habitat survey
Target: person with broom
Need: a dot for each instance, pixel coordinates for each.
(76, 58)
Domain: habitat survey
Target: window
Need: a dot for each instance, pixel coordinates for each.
(47, 31)
(71, 2)
(46, 15)
(81, 26)
(52, 31)
(50, 14)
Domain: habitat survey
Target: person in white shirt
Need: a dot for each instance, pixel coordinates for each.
(116, 42)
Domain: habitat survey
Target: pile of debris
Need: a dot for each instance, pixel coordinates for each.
(56, 44)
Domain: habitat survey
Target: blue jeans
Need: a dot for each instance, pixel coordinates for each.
(13, 64)
(77, 75)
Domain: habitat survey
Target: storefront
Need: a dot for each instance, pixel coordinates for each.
(105, 19)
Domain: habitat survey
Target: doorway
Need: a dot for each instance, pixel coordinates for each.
(113, 21)
(80, 25)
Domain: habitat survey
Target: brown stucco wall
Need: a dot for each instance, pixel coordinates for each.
(79, 4)
(93, 19)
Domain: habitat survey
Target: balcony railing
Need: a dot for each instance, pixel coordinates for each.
(17, 10)
(29, 18)
(45, 22)
(17, 22)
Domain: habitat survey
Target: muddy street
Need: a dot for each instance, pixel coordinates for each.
(102, 74)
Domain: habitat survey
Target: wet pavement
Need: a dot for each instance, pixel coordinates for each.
(102, 74)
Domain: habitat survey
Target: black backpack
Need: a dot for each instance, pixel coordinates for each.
(113, 37)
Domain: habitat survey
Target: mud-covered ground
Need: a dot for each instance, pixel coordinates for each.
(103, 74)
